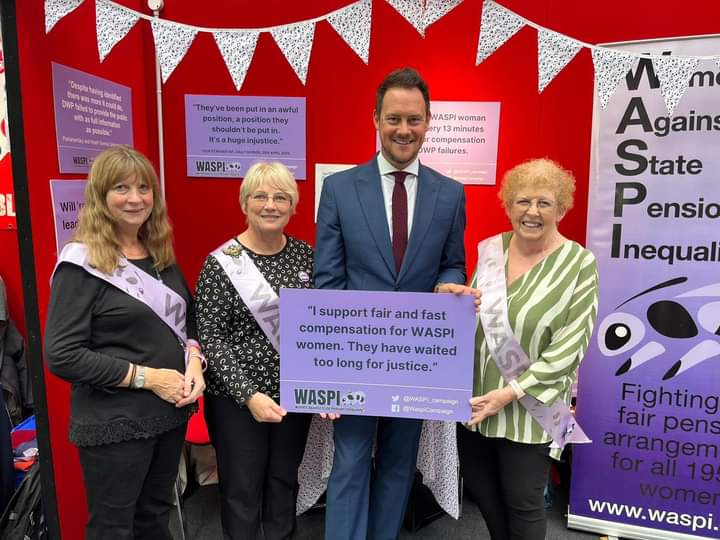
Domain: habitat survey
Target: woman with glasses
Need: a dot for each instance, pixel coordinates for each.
(541, 289)
(259, 445)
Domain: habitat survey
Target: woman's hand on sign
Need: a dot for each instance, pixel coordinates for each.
(264, 409)
(455, 288)
(490, 404)
(329, 415)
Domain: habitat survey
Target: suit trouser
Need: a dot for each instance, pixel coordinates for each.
(507, 481)
(129, 486)
(257, 469)
(366, 502)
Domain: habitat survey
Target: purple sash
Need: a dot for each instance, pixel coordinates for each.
(509, 356)
(253, 288)
(161, 299)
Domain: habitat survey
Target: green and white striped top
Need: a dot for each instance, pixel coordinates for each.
(552, 310)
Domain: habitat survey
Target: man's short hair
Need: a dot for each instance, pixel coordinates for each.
(406, 77)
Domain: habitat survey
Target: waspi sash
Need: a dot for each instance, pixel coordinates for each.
(161, 299)
(509, 356)
(253, 288)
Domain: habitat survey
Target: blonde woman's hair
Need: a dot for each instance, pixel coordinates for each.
(96, 226)
(275, 174)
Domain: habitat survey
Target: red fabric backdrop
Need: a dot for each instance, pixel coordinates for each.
(340, 94)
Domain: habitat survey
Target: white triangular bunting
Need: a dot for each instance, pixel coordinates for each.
(111, 25)
(436, 10)
(172, 41)
(412, 12)
(56, 10)
(554, 53)
(353, 25)
(610, 67)
(237, 49)
(674, 73)
(496, 27)
(295, 42)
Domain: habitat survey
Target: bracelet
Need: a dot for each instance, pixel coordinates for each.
(132, 376)
(195, 353)
(203, 360)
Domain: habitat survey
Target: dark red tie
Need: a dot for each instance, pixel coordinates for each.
(399, 218)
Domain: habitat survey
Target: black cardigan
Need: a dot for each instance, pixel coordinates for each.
(93, 331)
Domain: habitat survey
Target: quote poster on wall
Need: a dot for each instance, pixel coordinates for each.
(68, 197)
(91, 114)
(225, 135)
(462, 140)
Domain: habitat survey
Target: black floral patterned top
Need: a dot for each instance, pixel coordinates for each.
(241, 360)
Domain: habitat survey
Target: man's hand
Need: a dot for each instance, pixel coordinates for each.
(264, 409)
(490, 404)
(458, 289)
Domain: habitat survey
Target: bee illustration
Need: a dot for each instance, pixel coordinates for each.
(134, 280)
(652, 317)
(354, 398)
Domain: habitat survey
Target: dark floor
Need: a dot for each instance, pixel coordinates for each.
(202, 516)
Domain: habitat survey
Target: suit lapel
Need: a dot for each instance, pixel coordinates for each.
(427, 192)
(372, 204)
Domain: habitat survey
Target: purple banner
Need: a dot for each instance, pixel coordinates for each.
(649, 387)
(405, 355)
(68, 197)
(91, 114)
(225, 135)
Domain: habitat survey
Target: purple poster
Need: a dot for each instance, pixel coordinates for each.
(225, 135)
(405, 355)
(649, 387)
(91, 114)
(68, 197)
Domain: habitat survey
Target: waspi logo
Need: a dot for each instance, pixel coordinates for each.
(312, 398)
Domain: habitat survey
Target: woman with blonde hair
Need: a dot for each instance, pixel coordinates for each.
(259, 444)
(121, 328)
(539, 302)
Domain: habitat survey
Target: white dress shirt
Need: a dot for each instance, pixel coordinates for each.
(388, 184)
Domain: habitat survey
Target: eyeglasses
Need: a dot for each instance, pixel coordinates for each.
(280, 199)
(541, 204)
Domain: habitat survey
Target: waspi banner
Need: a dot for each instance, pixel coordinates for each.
(649, 386)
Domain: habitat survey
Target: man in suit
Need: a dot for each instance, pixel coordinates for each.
(383, 231)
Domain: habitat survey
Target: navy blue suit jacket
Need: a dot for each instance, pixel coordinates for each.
(354, 250)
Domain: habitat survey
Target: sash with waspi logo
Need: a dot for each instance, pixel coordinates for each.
(253, 288)
(511, 359)
(161, 299)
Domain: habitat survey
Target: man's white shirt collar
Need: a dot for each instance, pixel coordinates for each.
(386, 167)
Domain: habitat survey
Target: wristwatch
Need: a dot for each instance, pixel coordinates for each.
(139, 381)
